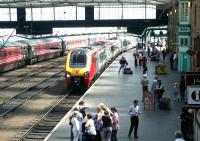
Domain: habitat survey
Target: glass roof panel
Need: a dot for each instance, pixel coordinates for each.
(49, 3)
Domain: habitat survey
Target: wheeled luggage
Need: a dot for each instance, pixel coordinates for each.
(128, 71)
(165, 104)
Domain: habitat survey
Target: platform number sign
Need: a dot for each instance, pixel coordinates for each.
(196, 95)
(193, 94)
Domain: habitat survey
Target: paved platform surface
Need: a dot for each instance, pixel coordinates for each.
(119, 90)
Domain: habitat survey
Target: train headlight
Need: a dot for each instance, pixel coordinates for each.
(67, 74)
(86, 74)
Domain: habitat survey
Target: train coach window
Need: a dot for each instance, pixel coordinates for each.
(78, 59)
(10, 52)
(1, 54)
(102, 56)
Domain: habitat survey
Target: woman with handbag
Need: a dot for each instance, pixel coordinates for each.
(107, 126)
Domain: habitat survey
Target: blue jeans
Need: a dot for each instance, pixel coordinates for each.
(114, 135)
(71, 134)
(107, 133)
(122, 66)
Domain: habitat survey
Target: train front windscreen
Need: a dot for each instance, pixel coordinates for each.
(78, 59)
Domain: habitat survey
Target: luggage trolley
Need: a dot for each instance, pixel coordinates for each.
(149, 100)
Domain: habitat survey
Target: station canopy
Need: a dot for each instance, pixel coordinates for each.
(56, 3)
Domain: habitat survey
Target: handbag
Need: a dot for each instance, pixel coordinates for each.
(162, 90)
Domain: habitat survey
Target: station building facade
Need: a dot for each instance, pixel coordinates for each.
(184, 40)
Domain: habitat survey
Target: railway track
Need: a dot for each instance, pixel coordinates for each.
(15, 101)
(41, 128)
(13, 80)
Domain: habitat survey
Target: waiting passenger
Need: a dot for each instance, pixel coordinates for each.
(135, 54)
(105, 108)
(145, 84)
(164, 54)
(159, 90)
(145, 69)
(70, 121)
(107, 126)
(82, 107)
(155, 56)
(134, 112)
(153, 85)
(115, 125)
(176, 91)
(98, 122)
(90, 128)
(76, 125)
(187, 123)
(182, 87)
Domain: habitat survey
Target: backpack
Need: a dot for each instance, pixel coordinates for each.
(82, 111)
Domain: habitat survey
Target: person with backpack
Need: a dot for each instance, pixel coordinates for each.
(81, 108)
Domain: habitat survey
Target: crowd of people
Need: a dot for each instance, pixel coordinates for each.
(157, 90)
(104, 124)
(100, 126)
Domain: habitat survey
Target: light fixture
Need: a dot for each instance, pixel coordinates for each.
(175, 11)
(167, 14)
(171, 13)
(189, 4)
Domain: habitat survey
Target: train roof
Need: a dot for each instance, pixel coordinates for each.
(44, 40)
(99, 45)
(13, 41)
(93, 47)
(23, 41)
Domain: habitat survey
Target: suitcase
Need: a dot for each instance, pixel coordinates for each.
(165, 104)
(128, 71)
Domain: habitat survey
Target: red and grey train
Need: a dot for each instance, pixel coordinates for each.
(20, 51)
(83, 65)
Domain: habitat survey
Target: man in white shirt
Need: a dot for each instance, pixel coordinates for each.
(134, 111)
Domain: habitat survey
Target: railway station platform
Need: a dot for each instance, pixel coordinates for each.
(120, 90)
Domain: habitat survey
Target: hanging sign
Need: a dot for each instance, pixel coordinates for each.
(193, 94)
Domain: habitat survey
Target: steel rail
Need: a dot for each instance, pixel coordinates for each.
(22, 97)
(40, 129)
(10, 82)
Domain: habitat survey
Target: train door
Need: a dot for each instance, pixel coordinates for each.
(97, 63)
(93, 66)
